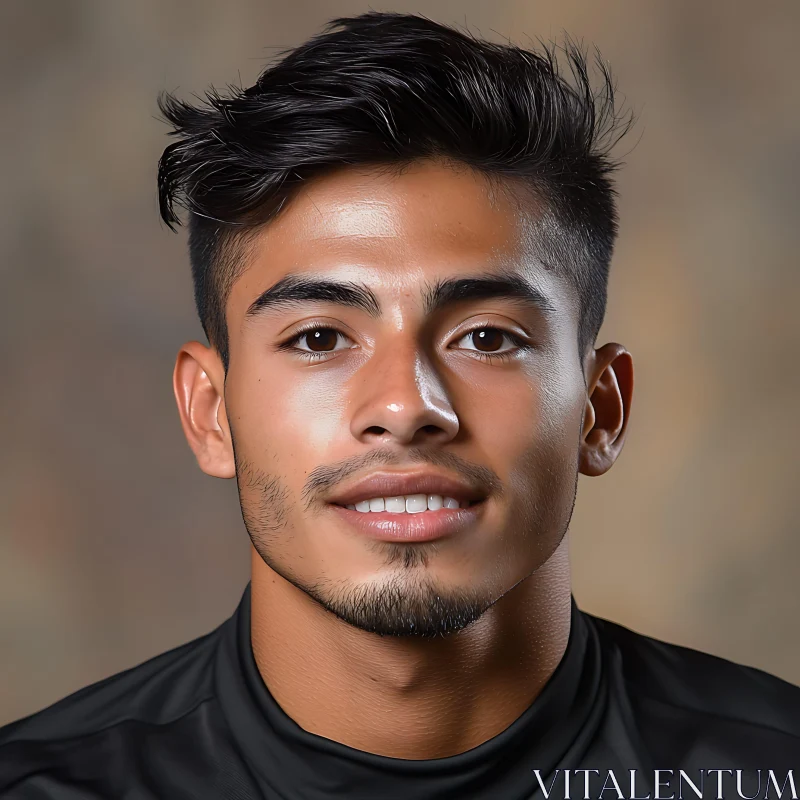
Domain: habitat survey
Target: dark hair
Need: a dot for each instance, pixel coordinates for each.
(385, 88)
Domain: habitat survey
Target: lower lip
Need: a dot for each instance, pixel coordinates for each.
(423, 527)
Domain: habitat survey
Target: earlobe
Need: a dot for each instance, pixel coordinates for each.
(198, 381)
(610, 391)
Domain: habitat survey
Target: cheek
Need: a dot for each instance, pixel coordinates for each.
(522, 416)
(294, 417)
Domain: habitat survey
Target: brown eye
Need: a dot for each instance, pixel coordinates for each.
(487, 340)
(321, 340)
(492, 341)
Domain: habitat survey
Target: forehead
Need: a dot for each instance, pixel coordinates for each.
(398, 228)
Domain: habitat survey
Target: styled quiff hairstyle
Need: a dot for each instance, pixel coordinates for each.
(391, 89)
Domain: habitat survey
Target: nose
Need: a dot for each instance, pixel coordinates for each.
(399, 397)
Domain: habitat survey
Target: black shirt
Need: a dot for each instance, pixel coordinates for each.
(198, 722)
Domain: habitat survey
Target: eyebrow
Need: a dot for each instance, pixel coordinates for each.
(484, 287)
(295, 289)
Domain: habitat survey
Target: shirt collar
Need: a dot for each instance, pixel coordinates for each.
(292, 762)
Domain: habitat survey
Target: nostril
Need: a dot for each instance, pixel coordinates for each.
(431, 429)
(376, 430)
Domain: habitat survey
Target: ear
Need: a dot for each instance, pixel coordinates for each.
(608, 406)
(199, 385)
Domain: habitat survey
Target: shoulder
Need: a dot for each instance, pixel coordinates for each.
(680, 685)
(155, 691)
(95, 725)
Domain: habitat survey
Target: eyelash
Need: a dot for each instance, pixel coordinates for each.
(308, 355)
(322, 355)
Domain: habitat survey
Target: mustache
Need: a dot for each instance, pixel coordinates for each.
(322, 479)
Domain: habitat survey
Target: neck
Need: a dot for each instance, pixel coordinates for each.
(404, 697)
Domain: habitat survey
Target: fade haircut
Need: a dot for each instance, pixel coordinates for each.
(391, 89)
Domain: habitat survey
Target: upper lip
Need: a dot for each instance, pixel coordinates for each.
(395, 484)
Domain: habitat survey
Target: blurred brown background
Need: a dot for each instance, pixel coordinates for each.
(114, 546)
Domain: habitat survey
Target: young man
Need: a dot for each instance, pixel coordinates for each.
(400, 240)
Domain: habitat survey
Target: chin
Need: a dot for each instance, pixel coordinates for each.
(416, 606)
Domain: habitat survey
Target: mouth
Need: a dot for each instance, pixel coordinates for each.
(404, 492)
(409, 526)
(409, 507)
(408, 504)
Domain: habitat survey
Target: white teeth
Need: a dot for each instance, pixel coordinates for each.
(405, 504)
(416, 503)
(395, 505)
(434, 502)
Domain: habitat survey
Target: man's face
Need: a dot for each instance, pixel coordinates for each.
(412, 346)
